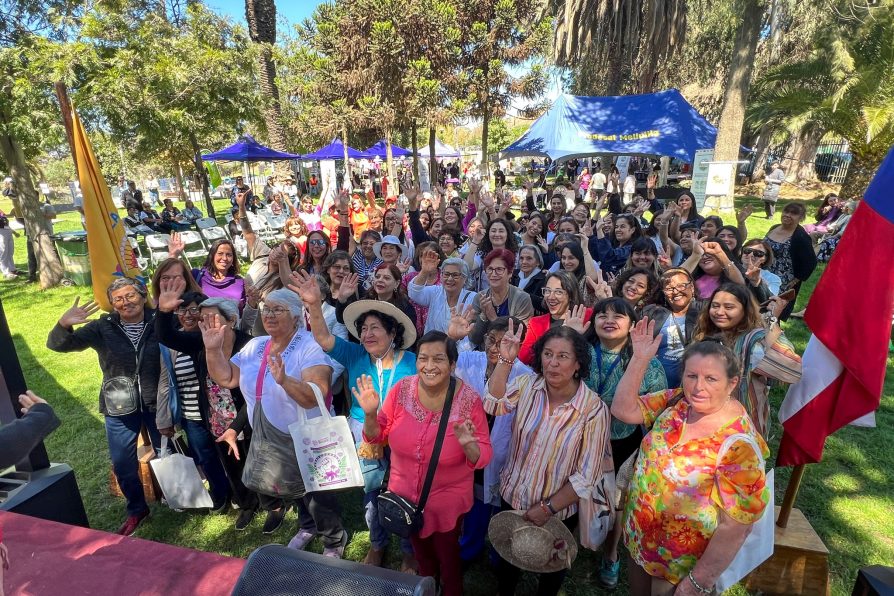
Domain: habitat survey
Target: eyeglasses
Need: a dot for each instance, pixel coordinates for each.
(169, 277)
(678, 289)
(753, 251)
(495, 270)
(450, 275)
(274, 312)
(316, 242)
(340, 268)
(557, 292)
(192, 310)
(132, 297)
(490, 341)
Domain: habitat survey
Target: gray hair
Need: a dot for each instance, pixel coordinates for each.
(288, 298)
(228, 308)
(463, 266)
(125, 282)
(537, 254)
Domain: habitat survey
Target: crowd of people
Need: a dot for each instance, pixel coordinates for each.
(596, 339)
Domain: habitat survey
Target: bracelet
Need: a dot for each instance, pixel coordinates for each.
(698, 587)
(727, 266)
(546, 510)
(549, 503)
(501, 360)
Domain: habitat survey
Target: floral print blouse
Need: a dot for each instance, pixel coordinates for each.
(679, 489)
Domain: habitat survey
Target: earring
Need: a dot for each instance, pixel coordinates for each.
(576, 375)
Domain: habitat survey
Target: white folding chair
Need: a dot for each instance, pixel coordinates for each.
(157, 244)
(142, 262)
(212, 234)
(260, 227)
(193, 245)
(208, 222)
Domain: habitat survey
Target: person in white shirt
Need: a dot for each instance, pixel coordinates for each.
(597, 184)
(629, 188)
(439, 299)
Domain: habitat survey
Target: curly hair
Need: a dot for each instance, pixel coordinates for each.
(390, 324)
(578, 343)
(293, 221)
(652, 284)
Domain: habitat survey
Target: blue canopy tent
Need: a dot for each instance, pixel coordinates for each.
(380, 150)
(336, 150)
(248, 149)
(662, 123)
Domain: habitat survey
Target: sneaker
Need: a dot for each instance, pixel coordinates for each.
(335, 553)
(131, 524)
(301, 540)
(274, 520)
(608, 573)
(220, 507)
(245, 517)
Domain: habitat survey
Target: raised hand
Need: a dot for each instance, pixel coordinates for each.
(403, 265)
(306, 286)
(643, 339)
(366, 395)
(170, 292)
(28, 400)
(698, 247)
(712, 248)
(601, 290)
(464, 431)
(229, 437)
(541, 242)
(477, 235)
(252, 295)
(343, 200)
(348, 287)
(487, 200)
(664, 260)
(175, 245)
(474, 186)
(753, 275)
(429, 261)
(574, 318)
(77, 315)
(744, 213)
(511, 342)
(488, 308)
(277, 368)
(461, 319)
(587, 229)
(214, 332)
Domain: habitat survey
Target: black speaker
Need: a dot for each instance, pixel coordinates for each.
(51, 493)
(274, 570)
(876, 580)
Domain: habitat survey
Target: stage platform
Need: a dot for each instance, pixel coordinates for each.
(52, 558)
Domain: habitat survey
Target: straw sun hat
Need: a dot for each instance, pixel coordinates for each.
(360, 307)
(540, 549)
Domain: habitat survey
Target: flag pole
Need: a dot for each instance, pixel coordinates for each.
(791, 493)
(65, 107)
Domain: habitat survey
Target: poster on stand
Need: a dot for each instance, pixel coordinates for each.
(700, 176)
(720, 186)
(622, 162)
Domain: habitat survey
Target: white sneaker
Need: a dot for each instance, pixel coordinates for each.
(300, 540)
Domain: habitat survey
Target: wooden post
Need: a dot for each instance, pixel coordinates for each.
(65, 108)
(791, 493)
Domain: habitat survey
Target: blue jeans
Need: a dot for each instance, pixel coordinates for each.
(475, 524)
(379, 536)
(204, 452)
(122, 432)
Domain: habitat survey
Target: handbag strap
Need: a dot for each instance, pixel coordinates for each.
(262, 371)
(436, 450)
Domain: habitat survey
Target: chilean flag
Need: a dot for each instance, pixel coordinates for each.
(849, 313)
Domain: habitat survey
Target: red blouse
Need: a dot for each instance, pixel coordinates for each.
(410, 429)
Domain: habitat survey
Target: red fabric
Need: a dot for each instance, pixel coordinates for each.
(438, 555)
(850, 313)
(52, 558)
(410, 429)
(537, 326)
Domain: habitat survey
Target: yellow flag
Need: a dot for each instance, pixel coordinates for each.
(110, 252)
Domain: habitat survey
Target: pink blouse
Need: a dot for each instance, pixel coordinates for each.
(410, 429)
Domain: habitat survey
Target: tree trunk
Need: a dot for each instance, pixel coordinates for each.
(433, 158)
(202, 173)
(803, 152)
(859, 174)
(348, 181)
(738, 82)
(389, 157)
(761, 148)
(178, 175)
(37, 228)
(414, 139)
(485, 126)
(261, 18)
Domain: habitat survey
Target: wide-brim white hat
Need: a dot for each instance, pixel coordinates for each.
(540, 549)
(377, 247)
(354, 310)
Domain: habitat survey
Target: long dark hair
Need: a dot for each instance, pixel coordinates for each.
(751, 318)
(618, 306)
(308, 261)
(578, 253)
(693, 209)
(634, 223)
(698, 273)
(511, 244)
(651, 283)
(209, 260)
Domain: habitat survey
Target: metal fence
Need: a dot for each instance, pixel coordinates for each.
(830, 162)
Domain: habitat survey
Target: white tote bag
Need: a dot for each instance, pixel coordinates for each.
(325, 450)
(179, 479)
(758, 546)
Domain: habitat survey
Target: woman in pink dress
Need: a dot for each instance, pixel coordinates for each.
(309, 214)
(408, 422)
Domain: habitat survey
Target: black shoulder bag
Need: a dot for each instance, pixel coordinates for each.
(122, 394)
(399, 515)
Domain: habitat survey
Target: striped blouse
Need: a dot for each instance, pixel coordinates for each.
(548, 450)
(779, 362)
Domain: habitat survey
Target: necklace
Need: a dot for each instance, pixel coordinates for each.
(493, 297)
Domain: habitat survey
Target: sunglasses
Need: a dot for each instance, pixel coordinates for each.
(753, 251)
(316, 242)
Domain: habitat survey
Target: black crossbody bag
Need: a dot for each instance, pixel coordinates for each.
(399, 515)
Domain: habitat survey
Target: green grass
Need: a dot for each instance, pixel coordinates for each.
(848, 498)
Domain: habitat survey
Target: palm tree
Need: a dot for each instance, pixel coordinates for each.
(261, 18)
(845, 87)
(607, 36)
